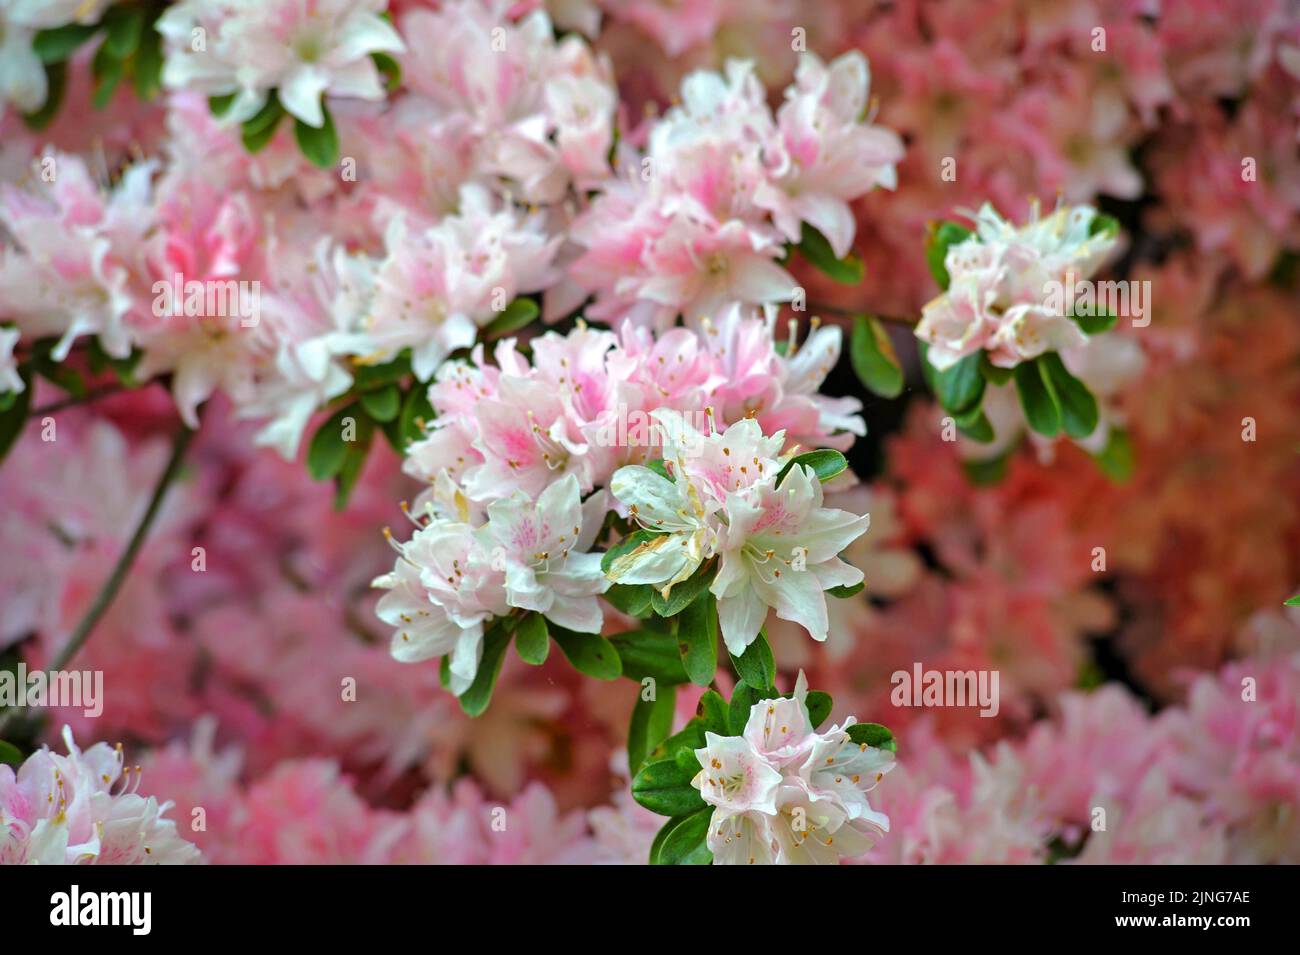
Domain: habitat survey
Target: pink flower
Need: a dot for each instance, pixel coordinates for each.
(69, 810)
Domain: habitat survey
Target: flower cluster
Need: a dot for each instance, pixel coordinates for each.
(724, 496)
(524, 459)
(84, 808)
(998, 298)
(783, 793)
(700, 216)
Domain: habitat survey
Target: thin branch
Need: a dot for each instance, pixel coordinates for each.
(107, 593)
(94, 394)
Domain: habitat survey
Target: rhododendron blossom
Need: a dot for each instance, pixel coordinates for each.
(83, 808)
(244, 49)
(999, 299)
(785, 794)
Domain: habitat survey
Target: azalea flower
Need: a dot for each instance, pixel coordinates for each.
(777, 546)
(69, 810)
(540, 543)
(785, 794)
(997, 300)
(302, 51)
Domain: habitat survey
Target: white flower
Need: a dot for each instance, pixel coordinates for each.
(784, 794)
(22, 77)
(539, 545)
(440, 593)
(9, 377)
(999, 300)
(301, 50)
(780, 550)
(83, 807)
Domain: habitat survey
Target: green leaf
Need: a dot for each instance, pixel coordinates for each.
(814, 247)
(14, 418)
(633, 599)
(873, 734)
(1039, 402)
(444, 672)
(976, 426)
(873, 357)
(383, 405)
(994, 374)
(713, 711)
(1292, 601)
(259, 129)
(960, 387)
(391, 70)
(1103, 224)
(1079, 413)
(10, 754)
(532, 639)
(1116, 459)
(665, 787)
(645, 653)
(320, 144)
(57, 45)
(416, 413)
(108, 71)
(1097, 323)
(743, 698)
(220, 105)
(756, 666)
(683, 594)
(652, 721)
(515, 316)
(476, 699)
(697, 635)
(56, 82)
(589, 653)
(686, 740)
(123, 368)
(825, 463)
(659, 838)
(987, 472)
(148, 66)
(819, 706)
(942, 236)
(354, 460)
(123, 25)
(327, 450)
(685, 843)
(370, 377)
(847, 590)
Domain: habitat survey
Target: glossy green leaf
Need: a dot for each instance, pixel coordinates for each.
(941, 237)
(532, 639)
(589, 653)
(1038, 401)
(697, 636)
(873, 358)
(652, 721)
(814, 247)
(756, 666)
(665, 787)
(825, 463)
(320, 144)
(475, 700)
